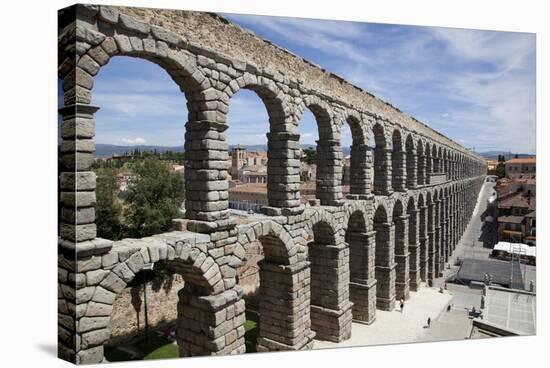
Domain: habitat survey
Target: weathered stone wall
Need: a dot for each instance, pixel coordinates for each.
(248, 275)
(128, 315)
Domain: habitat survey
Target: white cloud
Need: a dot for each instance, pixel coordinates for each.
(470, 84)
(132, 141)
(308, 138)
(328, 37)
(129, 105)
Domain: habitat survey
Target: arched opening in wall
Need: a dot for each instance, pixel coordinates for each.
(309, 135)
(382, 161)
(422, 238)
(331, 312)
(143, 321)
(446, 163)
(398, 160)
(361, 265)
(401, 246)
(453, 166)
(372, 149)
(384, 260)
(137, 155)
(437, 235)
(421, 164)
(429, 163)
(347, 143)
(162, 294)
(431, 237)
(321, 161)
(357, 157)
(249, 278)
(411, 162)
(276, 310)
(139, 158)
(445, 247)
(248, 125)
(439, 155)
(413, 246)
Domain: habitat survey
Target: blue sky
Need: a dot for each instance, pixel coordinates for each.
(477, 87)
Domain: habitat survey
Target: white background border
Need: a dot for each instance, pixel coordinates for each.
(28, 149)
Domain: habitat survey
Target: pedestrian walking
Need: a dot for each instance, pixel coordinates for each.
(401, 304)
(429, 322)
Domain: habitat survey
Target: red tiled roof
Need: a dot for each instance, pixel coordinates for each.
(524, 160)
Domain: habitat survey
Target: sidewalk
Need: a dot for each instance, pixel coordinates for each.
(396, 327)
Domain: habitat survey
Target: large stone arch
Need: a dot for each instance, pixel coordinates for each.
(203, 295)
(431, 233)
(399, 161)
(400, 221)
(423, 236)
(283, 188)
(384, 258)
(412, 161)
(413, 242)
(284, 277)
(320, 214)
(331, 310)
(438, 230)
(77, 72)
(382, 160)
(283, 250)
(361, 243)
(428, 152)
(329, 151)
(421, 166)
(440, 159)
(361, 156)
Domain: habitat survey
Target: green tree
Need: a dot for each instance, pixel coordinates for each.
(310, 155)
(500, 170)
(154, 198)
(108, 208)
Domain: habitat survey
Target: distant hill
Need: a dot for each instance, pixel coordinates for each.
(493, 155)
(107, 150)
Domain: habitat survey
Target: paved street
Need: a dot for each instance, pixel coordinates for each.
(471, 245)
(395, 327)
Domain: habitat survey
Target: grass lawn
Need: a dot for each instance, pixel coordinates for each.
(155, 347)
(251, 331)
(113, 354)
(159, 347)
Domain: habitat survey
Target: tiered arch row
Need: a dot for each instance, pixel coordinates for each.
(325, 265)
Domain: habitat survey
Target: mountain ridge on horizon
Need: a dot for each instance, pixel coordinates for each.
(107, 150)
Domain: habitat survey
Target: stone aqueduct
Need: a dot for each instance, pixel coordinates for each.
(325, 265)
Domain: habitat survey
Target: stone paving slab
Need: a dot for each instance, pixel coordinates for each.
(394, 327)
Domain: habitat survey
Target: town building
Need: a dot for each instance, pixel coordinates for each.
(516, 210)
(123, 179)
(248, 197)
(248, 166)
(308, 172)
(492, 167)
(520, 167)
